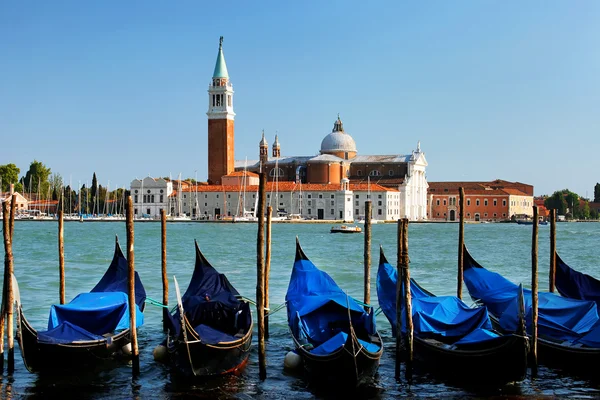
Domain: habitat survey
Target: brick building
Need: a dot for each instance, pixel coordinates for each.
(497, 200)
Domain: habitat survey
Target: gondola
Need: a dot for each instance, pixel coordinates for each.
(451, 339)
(574, 284)
(568, 329)
(335, 337)
(92, 328)
(215, 335)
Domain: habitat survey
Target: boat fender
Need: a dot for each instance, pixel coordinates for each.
(292, 360)
(160, 353)
(126, 349)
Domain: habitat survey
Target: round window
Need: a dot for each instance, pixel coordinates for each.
(136, 191)
(161, 190)
(148, 191)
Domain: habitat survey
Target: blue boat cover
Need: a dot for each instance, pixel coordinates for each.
(559, 318)
(210, 302)
(116, 278)
(574, 284)
(212, 336)
(318, 309)
(66, 333)
(97, 313)
(443, 317)
(338, 341)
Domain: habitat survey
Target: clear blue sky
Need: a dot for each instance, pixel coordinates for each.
(492, 89)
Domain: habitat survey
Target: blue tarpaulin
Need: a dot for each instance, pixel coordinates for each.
(440, 317)
(98, 313)
(211, 306)
(318, 309)
(66, 333)
(574, 284)
(558, 317)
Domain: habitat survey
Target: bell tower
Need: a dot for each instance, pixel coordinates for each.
(220, 122)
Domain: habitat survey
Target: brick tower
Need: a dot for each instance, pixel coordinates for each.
(220, 122)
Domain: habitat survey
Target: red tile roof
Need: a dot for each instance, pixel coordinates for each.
(288, 186)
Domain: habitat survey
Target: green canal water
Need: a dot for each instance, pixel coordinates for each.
(231, 248)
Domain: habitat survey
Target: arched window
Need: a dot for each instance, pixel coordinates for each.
(359, 172)
(374, 173)
(391, 172)
(278, 172)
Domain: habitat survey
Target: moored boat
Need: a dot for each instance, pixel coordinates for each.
(335, 337)
(450, 338)
(574, 284)
(214, 336)
(568, 329)
(90, 329)
(346, 229)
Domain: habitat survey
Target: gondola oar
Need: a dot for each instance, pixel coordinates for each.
(182, 318)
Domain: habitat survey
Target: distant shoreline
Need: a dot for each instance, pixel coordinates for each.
(316, 221)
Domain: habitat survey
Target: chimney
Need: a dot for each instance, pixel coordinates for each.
(12, 188)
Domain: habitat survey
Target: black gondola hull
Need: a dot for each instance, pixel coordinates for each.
(341, 366)
(484, 363)
(39, 357)
(198, 359)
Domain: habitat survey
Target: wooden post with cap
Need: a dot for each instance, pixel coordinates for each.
(135, 355)
(260, 278)
(61, 257)
(399, 280)
(367, 255)
(534, 291)
(407, 300)
(552, 272)
(461, 242)
(267, 269)
(165, 280)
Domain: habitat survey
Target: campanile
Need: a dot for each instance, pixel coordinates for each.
(220, 122)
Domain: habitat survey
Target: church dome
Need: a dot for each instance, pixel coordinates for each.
(338, 140)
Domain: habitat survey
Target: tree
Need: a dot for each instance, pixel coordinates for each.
(557, 201)
(573, 203)
(584, 213)
(94, 193)
(37, 178)
(9, 173)
(597, 193)
(56, 183)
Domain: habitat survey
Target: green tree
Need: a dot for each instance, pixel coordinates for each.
(94, 193)
(573, 203)
(36, 179)
(597, 193)
(56, 183)
(593, 213)
(584, 212)
(557, 201)
(9, 173)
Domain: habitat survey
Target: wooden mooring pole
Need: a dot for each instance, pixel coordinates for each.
(61, 257)
(13, 209)
(165, 280)
(135, 355)
(461, 242)
(267, 269)
(534, 292)
(399, 280)
(407, 300)
(552, 272)
(5, 230)
(7, 314)
(260, 278)
(367, 255)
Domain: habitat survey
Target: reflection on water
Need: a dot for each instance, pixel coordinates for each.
(504, 248)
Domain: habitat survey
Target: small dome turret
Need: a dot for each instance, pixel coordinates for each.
(338, 140)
